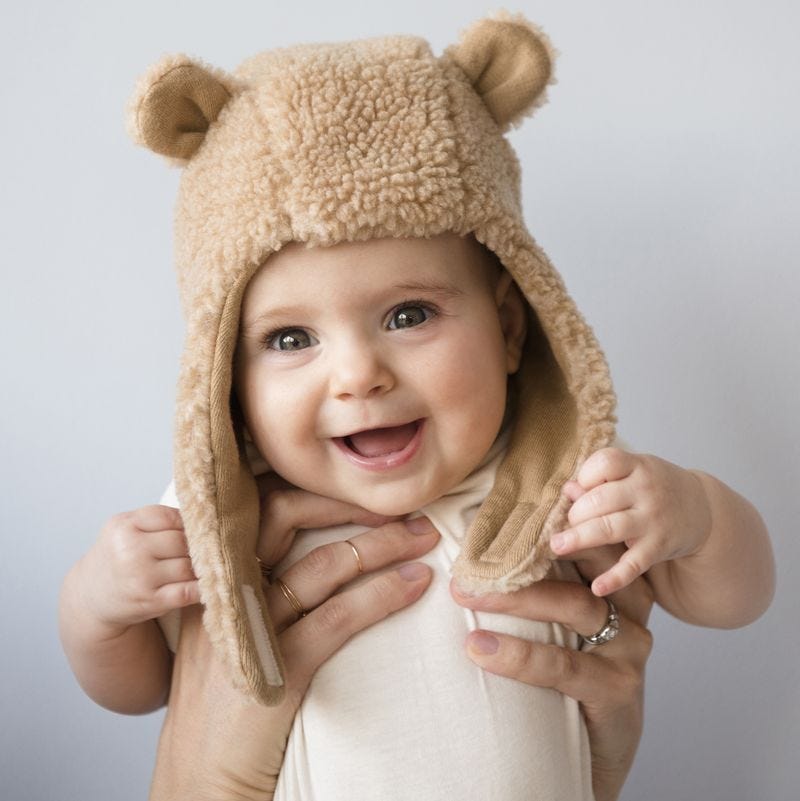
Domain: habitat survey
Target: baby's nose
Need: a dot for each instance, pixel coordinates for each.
(360, 373)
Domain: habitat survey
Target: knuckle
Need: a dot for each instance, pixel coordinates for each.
(517, 656)
(172, 516)
(641, 639)
(115, 521)
(646, 643)
(631, 682)
(586, 608)
(383, 592)
(597, 497)
(123, 543)
(333, 615)
(152, 514)
(321, 561)
(610, 457)
(186, 572)
(188, 594)
(607, 529)
(117, 528)
(646, 476)
(633, 565)
(649, 596)
(566, 662)
(553, 663)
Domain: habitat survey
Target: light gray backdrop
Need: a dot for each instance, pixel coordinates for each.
(662, 179)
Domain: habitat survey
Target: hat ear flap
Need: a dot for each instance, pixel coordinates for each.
(174, 103)
(509, 62)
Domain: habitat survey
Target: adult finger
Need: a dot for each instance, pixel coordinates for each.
(314, 638)
(318, 574)
(285, 511)
(587, 677)
(564, 602)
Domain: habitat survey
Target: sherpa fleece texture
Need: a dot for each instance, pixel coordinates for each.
(324, 143)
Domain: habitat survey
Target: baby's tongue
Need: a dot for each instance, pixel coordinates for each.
(379, 441)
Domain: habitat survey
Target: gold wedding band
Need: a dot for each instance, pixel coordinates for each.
(291, 598)
(358, 558)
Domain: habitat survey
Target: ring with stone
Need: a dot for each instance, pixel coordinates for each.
(610, 628)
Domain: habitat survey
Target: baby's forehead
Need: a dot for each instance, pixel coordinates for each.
(459, 259)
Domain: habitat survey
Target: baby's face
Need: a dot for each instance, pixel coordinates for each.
(376, 372)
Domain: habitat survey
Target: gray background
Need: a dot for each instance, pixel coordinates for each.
(661, 179)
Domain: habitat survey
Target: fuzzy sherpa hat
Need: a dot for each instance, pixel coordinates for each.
(324, 143)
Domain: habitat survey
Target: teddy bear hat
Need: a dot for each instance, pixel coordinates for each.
(332, 142)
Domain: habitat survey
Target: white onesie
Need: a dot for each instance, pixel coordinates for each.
(400, 712)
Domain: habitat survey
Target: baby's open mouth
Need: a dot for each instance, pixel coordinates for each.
(381, 441)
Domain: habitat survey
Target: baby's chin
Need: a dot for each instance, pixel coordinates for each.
(394, 504)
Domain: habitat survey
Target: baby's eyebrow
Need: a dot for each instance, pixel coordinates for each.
(443, 290)
(253, 326)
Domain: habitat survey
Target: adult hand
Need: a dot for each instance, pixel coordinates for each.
(216, 744)
(607, 679)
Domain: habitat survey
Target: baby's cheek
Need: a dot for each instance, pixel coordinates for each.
(476, 404)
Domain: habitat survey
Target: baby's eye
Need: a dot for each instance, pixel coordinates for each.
(409, 316)
(290, 339)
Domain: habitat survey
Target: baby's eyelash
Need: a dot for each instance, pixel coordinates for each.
(272, 333)
(269, 335)
(423, 304)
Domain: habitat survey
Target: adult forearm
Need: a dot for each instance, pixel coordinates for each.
(125, 669)
(730, 580)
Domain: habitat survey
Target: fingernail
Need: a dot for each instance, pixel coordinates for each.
(483, 642)
(419, 525)
(557, 542)
(413, 571)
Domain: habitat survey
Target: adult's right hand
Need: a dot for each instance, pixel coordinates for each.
(219, 745)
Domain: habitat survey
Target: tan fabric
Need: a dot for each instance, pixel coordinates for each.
(322, 143)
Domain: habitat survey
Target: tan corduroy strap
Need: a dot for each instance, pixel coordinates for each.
(221, 509)
(564, 410)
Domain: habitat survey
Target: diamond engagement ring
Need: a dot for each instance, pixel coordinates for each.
(610, 628)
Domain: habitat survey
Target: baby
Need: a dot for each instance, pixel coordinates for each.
(369, 319)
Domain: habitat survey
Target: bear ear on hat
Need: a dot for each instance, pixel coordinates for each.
(509, 62)
(174, 103)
